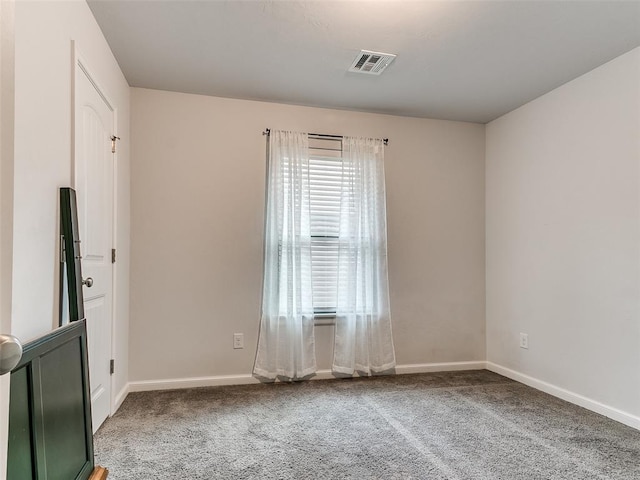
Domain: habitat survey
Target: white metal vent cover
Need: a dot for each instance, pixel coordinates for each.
(372, 63)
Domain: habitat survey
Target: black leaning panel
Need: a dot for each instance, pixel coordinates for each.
(71, 237)
(50, 419)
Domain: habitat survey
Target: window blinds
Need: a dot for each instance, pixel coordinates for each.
(325, 185)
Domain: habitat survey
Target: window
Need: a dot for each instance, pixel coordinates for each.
(325, 255)
(325, 189)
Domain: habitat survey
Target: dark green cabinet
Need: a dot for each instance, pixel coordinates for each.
(21, 463)
(50, 433)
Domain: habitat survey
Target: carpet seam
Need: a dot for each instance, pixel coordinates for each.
(413, 441)
(590, 469)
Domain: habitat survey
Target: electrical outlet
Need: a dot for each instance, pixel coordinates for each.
(238, 340)
(524, 341)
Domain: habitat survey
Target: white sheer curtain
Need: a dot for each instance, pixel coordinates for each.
(363, 337)
(286, 345)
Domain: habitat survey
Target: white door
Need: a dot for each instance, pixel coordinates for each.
(94, 167)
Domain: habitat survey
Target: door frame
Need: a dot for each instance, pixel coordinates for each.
(7, 121)
(80, 66)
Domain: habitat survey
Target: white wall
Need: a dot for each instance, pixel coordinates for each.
(563, 237)
(43, 151)
(198, 178)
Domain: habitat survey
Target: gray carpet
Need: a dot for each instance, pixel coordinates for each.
(455, 425)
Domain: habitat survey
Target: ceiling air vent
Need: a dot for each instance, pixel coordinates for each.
(372, 63)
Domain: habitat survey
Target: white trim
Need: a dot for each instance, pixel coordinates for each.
(7, 130)
(115, 402)
(577, 399)
(81, 63)
(441, 367)
(219, 380)
(119, 398)
(193, 382)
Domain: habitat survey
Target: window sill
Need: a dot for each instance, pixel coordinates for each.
(324, 319)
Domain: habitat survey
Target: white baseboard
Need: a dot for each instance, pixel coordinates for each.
(219, 380)
(193, 382)
(440, 367)
(245, 379)
(577, 399)
(122, 394)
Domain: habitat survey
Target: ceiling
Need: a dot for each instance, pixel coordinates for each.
(457, 60)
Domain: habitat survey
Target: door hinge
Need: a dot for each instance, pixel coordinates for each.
(112, 366)
(113, 255)
(113, 143)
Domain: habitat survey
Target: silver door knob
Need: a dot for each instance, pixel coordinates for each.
(10, 353)
(88, 282)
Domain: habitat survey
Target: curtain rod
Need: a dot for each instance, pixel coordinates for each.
(267, 131)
